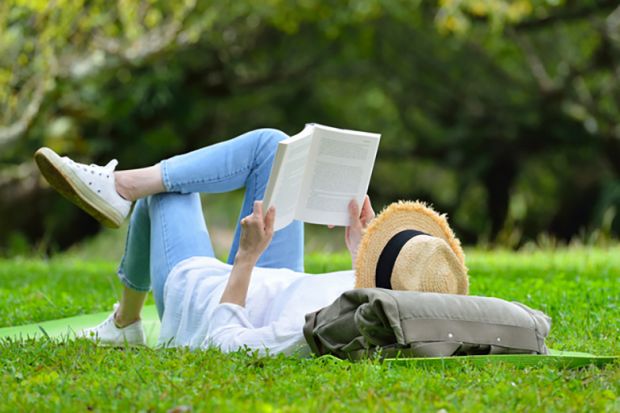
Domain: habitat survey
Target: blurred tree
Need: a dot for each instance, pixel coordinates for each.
(503, 113)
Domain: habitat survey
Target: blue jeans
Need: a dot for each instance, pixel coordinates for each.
(168, 228)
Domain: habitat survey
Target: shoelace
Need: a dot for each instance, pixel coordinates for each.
(109, 167)
(109, 320)
(102, 171)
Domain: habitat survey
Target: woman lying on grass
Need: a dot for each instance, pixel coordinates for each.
(258, 300)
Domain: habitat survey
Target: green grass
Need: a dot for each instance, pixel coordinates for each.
(579, 288)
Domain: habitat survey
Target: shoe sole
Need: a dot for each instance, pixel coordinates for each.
(67, 183)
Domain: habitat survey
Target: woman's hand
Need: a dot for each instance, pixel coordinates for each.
(358, 222)
(256, 232)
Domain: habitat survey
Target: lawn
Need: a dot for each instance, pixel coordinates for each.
(578, 288)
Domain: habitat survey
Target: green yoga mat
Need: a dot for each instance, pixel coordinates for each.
(66, 328)
(566, 359)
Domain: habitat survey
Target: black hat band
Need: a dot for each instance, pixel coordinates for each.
(385, 264)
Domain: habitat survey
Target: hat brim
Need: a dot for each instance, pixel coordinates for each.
(395, 218)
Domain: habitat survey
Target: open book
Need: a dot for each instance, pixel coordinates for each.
(317, 172)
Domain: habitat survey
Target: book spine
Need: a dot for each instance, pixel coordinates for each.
(268, 198)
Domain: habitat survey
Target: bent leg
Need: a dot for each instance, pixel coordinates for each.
(222, 167)
(178, 232)
(286, 249)
(164, 230)
(134, 270)
(243, 161)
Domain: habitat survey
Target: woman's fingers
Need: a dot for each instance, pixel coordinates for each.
(244, 220)
(257, 230)
(258, 208)
(367, 212)
(367, 207)
(256, 218)
(354, 214)
(270, 219)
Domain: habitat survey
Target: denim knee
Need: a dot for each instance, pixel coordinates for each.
(269, 138)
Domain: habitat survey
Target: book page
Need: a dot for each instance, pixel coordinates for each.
(286, 177)
(338, 169)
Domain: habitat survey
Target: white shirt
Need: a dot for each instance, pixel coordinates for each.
(271, 321)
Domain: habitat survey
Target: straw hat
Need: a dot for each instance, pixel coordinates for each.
(409, 246)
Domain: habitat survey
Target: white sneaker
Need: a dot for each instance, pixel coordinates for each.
(108, 334)
(91, 187)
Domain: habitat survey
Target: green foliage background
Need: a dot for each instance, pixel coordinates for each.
(504, 114)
